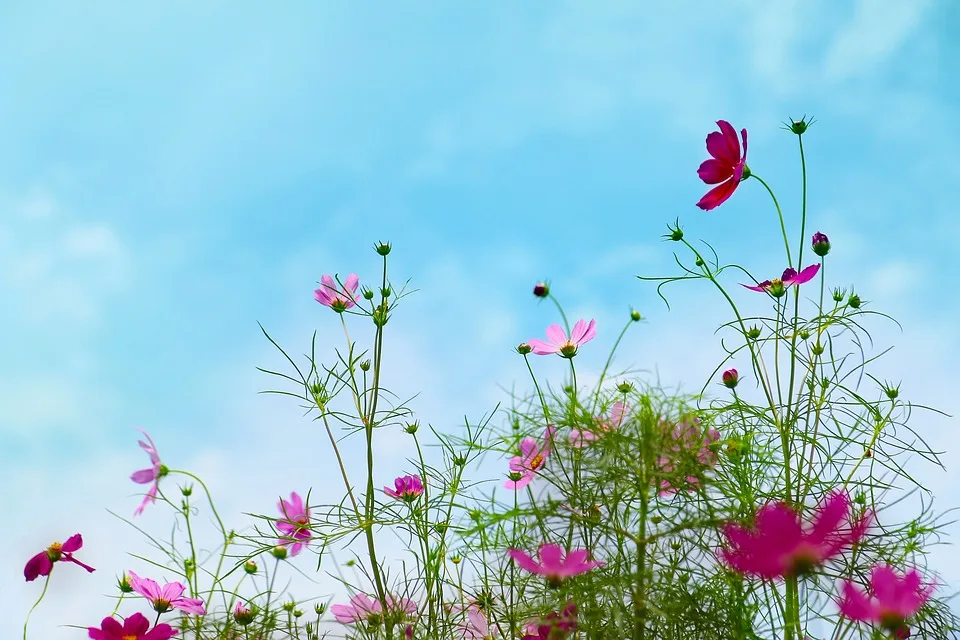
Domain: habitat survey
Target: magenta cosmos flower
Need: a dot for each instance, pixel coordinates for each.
(295, 524)
(554, 564)
(336, 297)
(150, 475)
(169, 596)
(42, 563)
(554, 625)
(687, 450)
(135, 627)
(778, 286)
(365, 608)
(532, 457)
(779, 545)
(892, 600)
(406, 488)
(726, 168)
(582, 437)
(558, 342)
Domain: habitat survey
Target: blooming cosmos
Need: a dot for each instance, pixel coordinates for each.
(42, 563)
(295, 523)
(555, 565)
(531, 459)
(405, 488)
(778, 286)
(779, 544)
(558, 342)
(152, 474)
(365, 608)
(582, 437)
(337, 298)
(726, 168)
(553, 626)
(169, 596)
(685, 444)
(135, 627)
(892, 600)
(475, 625)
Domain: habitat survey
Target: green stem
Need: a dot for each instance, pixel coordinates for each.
(46, 583)
(783, 226)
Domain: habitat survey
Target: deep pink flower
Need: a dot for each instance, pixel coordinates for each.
(555, 565)
(685, 445)
(295, 525)
(135, 627)
(169, 596)
(365, 608)
(407, 488)
(337, 298)
(42, 563)
(582, 437)
(779, 545)
(726, 168)
(475, 625)
(891, 601)
(778, 286)
(150, 475)
(553, 626)
(531, 459)
(557, 341)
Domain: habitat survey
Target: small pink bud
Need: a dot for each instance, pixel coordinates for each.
(730, 378)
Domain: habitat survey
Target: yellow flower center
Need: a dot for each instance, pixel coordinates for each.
(537, 462)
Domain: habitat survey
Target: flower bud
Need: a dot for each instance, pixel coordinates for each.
(635, 316)
(455, 559)
(800, 126)
(365, 365)
(412, 427)
(804, 334)
(385, 292)
(367, 294)
(676, 233)
(459, 460)
(817, 349)
(753, 332)
(250, 567)
(656, 519)
(383, 248)
(279, 552)
(891, 391)
(124, 584)
(854, 301)
(186, 490)
(838, 294)
(243, 615)
(624, 387)
(821, 244)
(288, 606)
(515, 476)
(523, 348)
(320, 608)
(541, 289)
(699, 261)
(860, 498)
(730, 378)
(297, 613)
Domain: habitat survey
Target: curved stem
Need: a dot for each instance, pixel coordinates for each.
(783, 226)
(46, 583)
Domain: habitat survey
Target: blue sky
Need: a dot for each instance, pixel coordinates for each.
(172, 175)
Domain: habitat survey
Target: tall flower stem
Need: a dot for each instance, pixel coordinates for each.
(783, 226)
(46, 583)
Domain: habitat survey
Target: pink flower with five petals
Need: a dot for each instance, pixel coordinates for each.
(892, 600)
(555, 565)
(338, 298)
(150, 475)
(295, 525)
(558, 342)
(726, 168)
(169, 596)
(532, 457)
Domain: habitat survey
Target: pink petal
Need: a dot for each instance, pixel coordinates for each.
(351, 283)
(171, 591)
(548, 436)
(541, 348)
(556, 335)
(551, 558)
(805, 276)
(524, 561)
(72, 544)
(855, 605)
(718, 195)
(830, 514)
(38, 565)
(583, 332)
(144, 476)
(714, 171)
(529, 448)
(763, 286)
(516, 485)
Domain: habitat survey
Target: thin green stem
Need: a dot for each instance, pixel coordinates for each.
(26, 622)
(783, 226)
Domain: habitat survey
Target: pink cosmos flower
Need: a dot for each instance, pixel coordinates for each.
(582, 437)
(42, 563)
(892, 600)
(475, 626)
(295, 525)
(365, 608)
(554, 564)
(149, 475)
(726, 168)
(169, 596)
(407, 488)
(557, 341)
(778, 286)
(685, 444)
(531, 459)
(553, 626)
(779, 545)
(337, 298)
(135, 627)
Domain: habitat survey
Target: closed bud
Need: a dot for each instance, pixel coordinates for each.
(515, 476)
(186, 490)
(624, 387)
(699, 261)
(459, 460)
(860, 498)
(124, 584)
(367, 294)
(753, 332)
(730, 378)
(297, 613)
(455, 559)
(365, 365)
(288, 606)
(821, 244)
(676, 233)
(635, 316)
(800, 126)
(839, 294)
(891, 391)
(523, 348)
(412, 427)
(854, 301)
(804, 334)
(279, 552)
(541, 289)
(250, 567)
(385, 292)
(817, 349)
(656, 519)
(320, 608)
(383, 248)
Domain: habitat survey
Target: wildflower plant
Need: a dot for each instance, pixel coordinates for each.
(613, 510)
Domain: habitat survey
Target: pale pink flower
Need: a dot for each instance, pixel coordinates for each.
(685, 443)
(555, 565)
(406, 488)
(295, 525)
(891, 601)
(366, 608)
(583, 437)
(474, 625)
(150, 475)
(558, 342)
(42, 563)
(779, 544)
(337, 298)
(531, 459)
(169, 596)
